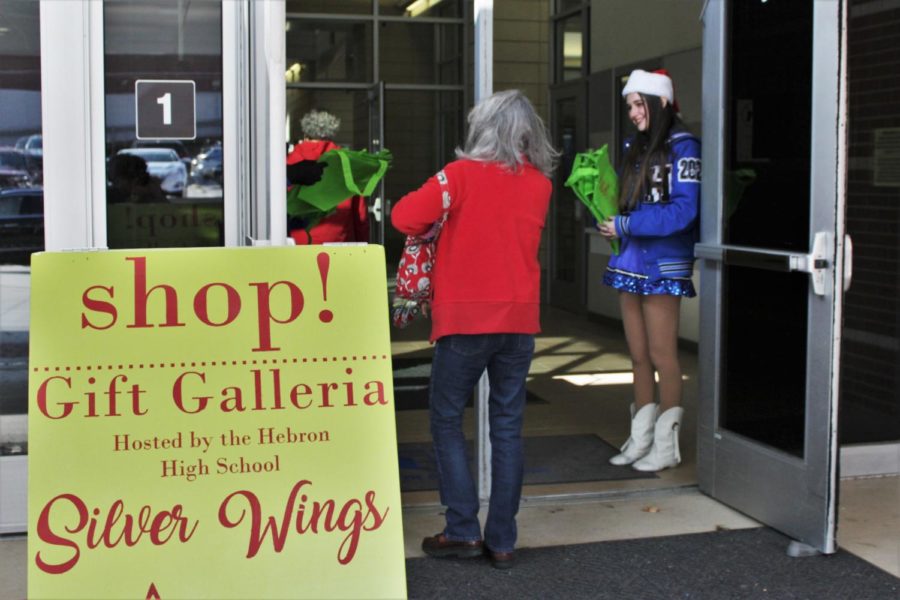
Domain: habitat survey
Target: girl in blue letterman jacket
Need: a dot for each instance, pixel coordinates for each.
(657, 225)
(658, 234)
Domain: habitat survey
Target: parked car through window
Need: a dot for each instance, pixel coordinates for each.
(14, 169)
(165, 165)
(21, 224)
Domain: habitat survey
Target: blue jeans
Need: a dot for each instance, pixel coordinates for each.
(459, 361)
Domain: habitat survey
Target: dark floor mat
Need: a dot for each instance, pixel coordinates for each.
(548, 459)
(747, 563)
(411, 378)
(414, 396)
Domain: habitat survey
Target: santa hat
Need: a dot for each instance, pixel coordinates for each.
(657, 83)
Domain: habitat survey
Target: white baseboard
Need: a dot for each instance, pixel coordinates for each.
(869, 460)
(13, 494)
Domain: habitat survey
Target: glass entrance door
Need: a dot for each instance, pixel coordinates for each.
(772, 262)
(568, 216)
(190, 123)
(21, 233)
(164, 188)
(108, 182)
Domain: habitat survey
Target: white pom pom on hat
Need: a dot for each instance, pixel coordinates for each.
(657, 83)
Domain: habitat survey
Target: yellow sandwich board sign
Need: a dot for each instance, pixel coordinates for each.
(212, 423)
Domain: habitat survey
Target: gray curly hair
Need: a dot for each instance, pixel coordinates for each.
(319, 125)
(505, 128)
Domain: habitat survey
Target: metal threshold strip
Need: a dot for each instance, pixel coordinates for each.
(576, 497)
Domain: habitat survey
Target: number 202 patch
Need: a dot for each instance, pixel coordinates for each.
(689, 169)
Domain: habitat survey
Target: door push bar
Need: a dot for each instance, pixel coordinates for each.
(815, 263)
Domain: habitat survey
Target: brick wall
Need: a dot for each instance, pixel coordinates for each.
(522, 49)
(870, 396)
(522, 60)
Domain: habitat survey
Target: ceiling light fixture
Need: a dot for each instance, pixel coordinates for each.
(417, 7)
(292, 75)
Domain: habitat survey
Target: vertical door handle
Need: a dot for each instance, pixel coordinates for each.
(375, 209)
(848, 261)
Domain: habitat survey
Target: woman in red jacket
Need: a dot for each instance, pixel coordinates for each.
(485, 311)
(349, 221)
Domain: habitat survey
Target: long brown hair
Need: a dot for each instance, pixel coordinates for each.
(648, 148)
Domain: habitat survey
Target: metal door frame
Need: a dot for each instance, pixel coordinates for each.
(731, 468)
(253, 108)
(375, 96)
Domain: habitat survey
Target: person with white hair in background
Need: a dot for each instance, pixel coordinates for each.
(349, 221)
(659, 197)
(485, 310)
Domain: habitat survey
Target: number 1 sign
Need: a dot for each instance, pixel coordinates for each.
(165, 109)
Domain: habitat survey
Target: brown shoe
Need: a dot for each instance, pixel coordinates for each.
(501, 560)
(438, 546)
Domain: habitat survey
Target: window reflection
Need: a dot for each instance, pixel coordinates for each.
(422, 129)
(21, 215)
(565, 5)
(21, 147)
(163, 192)
(342, 7)
(421, 53)
(570, 47)
(420, 8)
(350, 106)
(768, 160)
(386, 8)
(331, 51)
(770, 122)
(325, 47)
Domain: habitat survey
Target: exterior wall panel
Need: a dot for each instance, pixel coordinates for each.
(870, 382)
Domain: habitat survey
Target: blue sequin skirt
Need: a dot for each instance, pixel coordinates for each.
(645, 287)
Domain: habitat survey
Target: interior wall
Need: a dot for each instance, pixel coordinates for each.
(870, 352)
(522, 58)
(522, 49)
(625, 35)
(625, 32)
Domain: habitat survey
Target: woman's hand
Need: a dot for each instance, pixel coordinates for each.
(608, 229)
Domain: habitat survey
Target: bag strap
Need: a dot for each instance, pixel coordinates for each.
(432, 234)
(446, 199)
(445, 191)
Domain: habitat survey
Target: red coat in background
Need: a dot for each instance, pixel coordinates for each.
(487, 278)
(348, 223)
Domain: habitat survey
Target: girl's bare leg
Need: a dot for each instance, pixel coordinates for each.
(660, 318)
(636, 336)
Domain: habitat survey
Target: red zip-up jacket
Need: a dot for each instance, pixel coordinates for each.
(487, 277)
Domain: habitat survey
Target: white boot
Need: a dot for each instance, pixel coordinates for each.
(665, 452)
(641, 436)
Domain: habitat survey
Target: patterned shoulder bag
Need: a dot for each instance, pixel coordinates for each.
(414, 289)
